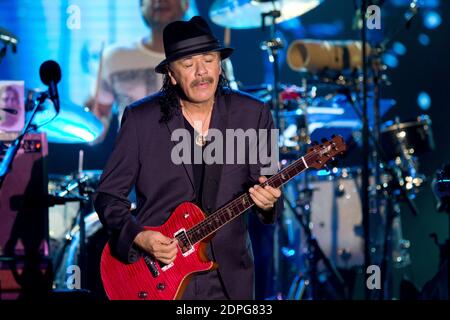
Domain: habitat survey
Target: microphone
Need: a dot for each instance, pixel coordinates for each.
(50, 74)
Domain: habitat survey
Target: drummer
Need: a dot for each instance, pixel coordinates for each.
(127, 72)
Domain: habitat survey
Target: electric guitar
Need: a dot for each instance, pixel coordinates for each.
(149, 279)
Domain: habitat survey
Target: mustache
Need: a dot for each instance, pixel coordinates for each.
(203, 80)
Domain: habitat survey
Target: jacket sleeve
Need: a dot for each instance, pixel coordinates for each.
(256, 170)
(111, 199)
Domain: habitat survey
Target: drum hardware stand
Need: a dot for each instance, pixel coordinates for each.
(272, 46)
(63, 198)
(315, 255)
(378, 154)
(84, 210)
(441, 188)
(397, 182)
(84, 191)
(366, 150)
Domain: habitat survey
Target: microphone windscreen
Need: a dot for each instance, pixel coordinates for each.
(50, 71)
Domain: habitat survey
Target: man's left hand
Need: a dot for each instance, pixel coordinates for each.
(266, 197)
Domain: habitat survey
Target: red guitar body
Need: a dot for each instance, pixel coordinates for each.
(136, 281)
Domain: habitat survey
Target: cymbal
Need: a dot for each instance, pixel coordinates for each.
(337, 112)
(246, 14)
(315, 114)
(73, 124)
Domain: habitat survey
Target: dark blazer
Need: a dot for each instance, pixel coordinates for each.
(142, 158)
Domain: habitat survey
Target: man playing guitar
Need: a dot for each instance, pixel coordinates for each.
(196, 99)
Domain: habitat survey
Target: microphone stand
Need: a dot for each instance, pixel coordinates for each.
(366, 149)
(5, 166)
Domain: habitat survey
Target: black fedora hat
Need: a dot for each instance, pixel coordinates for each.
(186, 38)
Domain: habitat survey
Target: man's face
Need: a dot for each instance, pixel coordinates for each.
(9, 99)
(159, 13)
(197, 76)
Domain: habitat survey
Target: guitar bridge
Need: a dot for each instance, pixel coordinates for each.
(183, 242)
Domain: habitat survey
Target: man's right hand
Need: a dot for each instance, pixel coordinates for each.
(161, 247)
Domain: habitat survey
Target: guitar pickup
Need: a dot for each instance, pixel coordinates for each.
(151, 265)
(183, 242)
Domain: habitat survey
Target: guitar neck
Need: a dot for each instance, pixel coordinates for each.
(235, 208)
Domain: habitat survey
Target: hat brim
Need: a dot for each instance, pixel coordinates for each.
(224, 53)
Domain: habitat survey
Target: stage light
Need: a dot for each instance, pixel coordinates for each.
(430, 3)
(399, 48)
(432, 20)
(287, 252)
(424, 39)
(326, 29)
(424, 100)
(390, 60)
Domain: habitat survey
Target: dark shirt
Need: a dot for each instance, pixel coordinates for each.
(198, 168)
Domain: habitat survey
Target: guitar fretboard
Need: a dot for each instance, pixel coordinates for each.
(233, 209)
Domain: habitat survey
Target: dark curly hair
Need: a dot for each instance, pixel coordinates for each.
(169, 97)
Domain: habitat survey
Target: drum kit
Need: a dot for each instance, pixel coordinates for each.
(322, 224)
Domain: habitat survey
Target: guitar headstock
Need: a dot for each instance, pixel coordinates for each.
(318, 155)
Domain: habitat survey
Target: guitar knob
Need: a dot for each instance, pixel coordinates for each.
(161, 286)
(142, 295)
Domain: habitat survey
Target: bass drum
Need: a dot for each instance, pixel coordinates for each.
(336, 217)
(68, 254)
(337, 224)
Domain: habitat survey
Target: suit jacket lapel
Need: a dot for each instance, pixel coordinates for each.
(177, 122)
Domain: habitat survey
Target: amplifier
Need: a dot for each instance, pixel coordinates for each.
(23, 200)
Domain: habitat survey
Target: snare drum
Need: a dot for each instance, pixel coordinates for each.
(62, 216)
